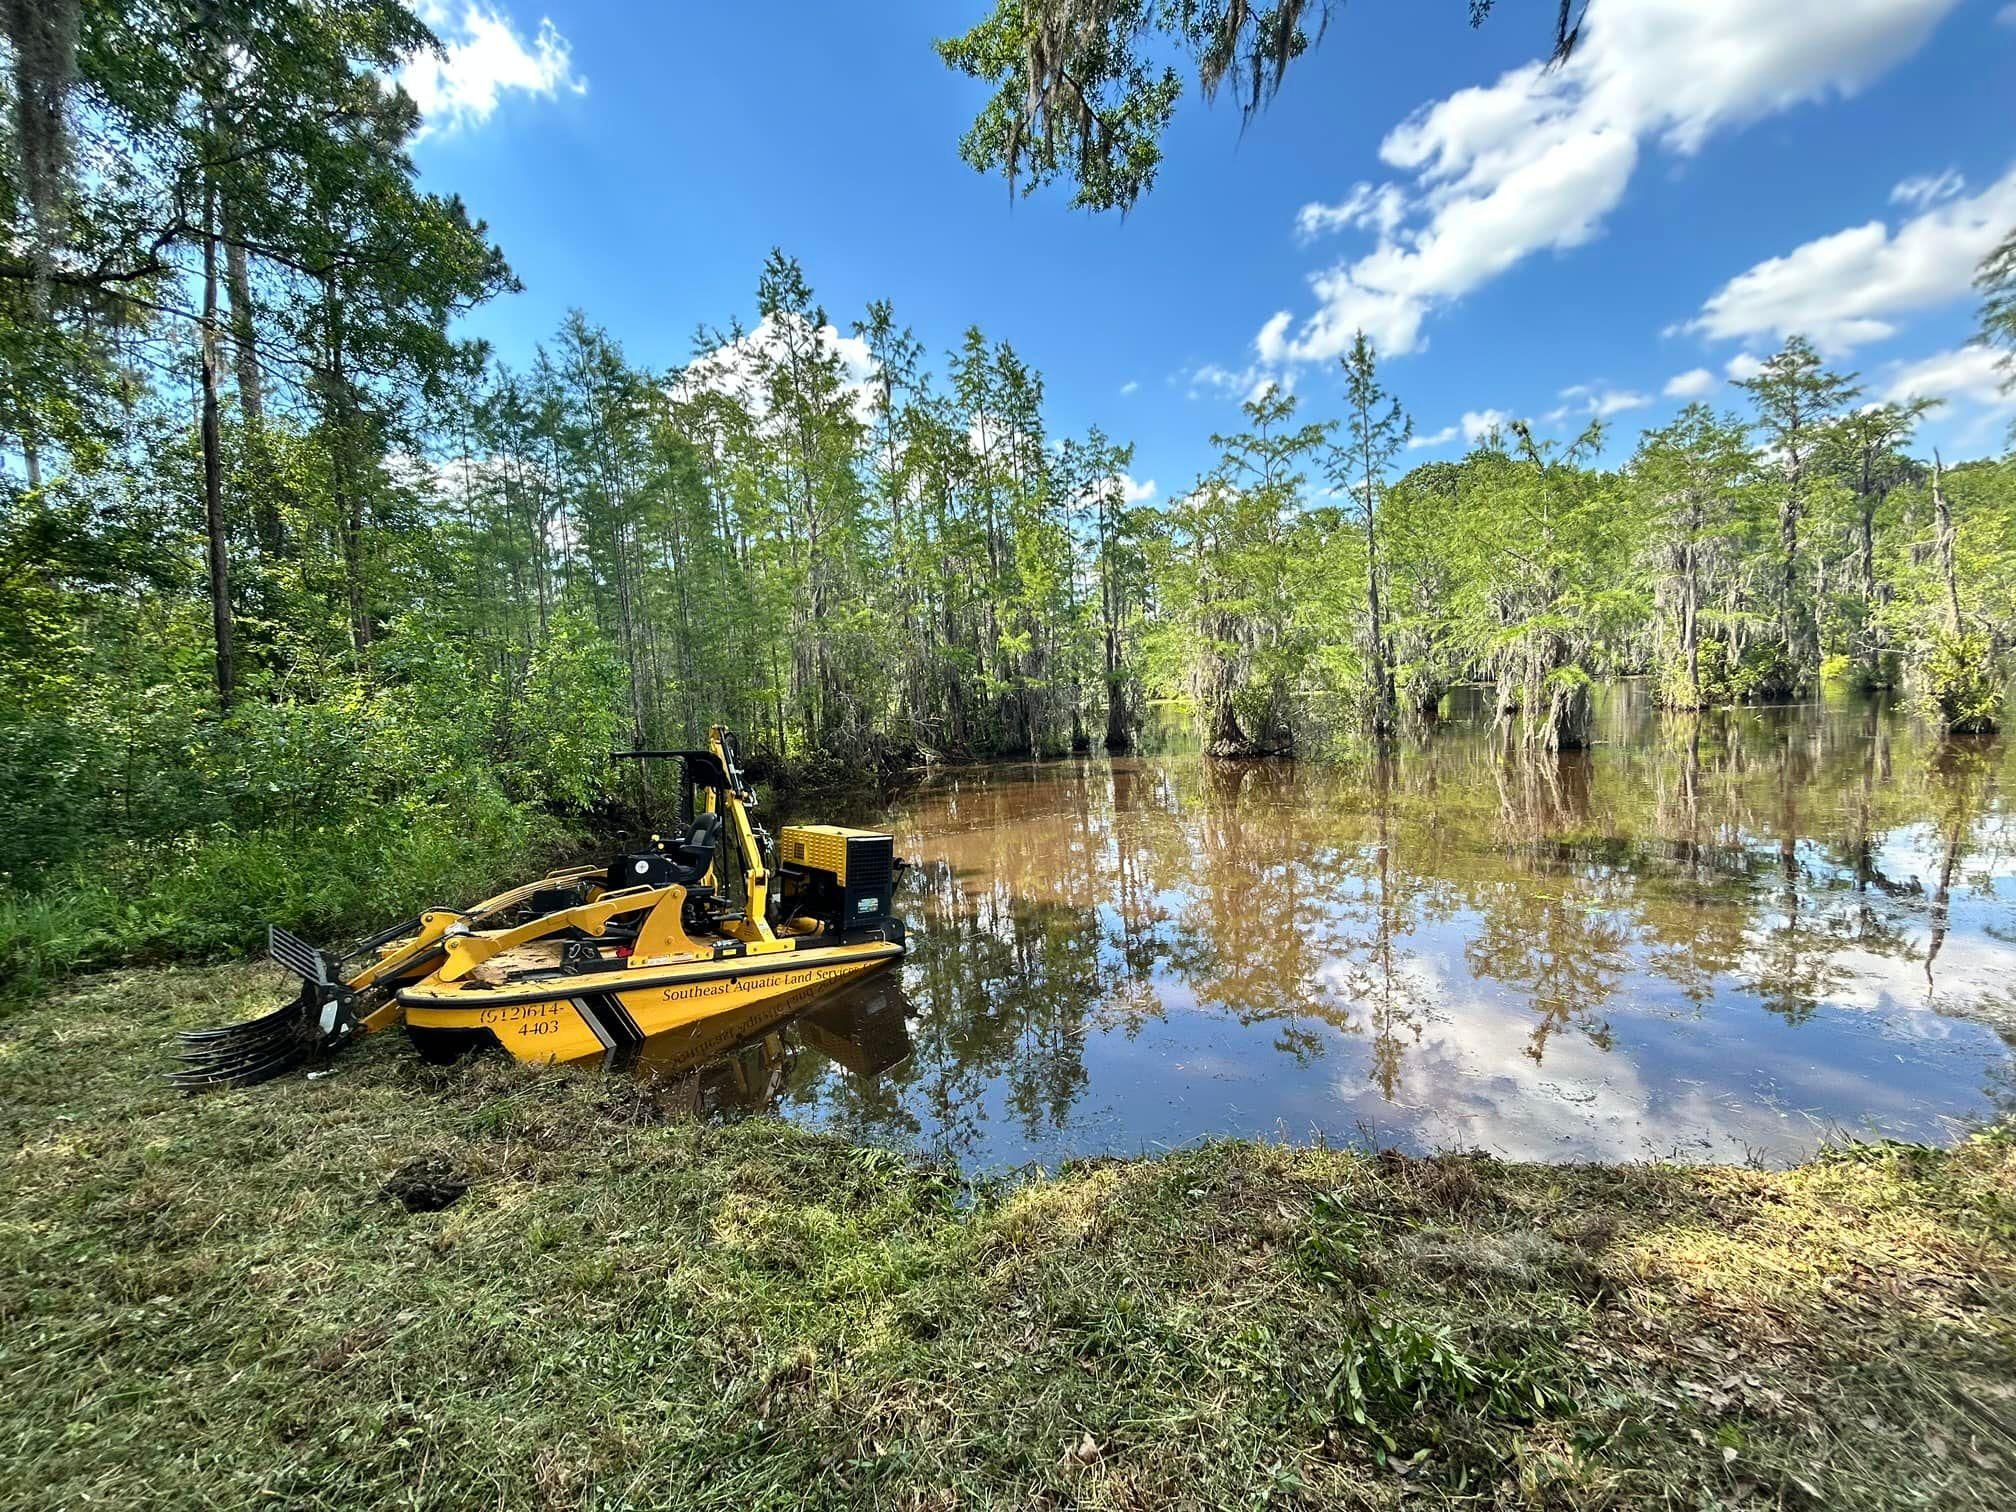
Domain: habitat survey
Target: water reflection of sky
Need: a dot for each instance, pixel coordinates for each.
(1797, 925)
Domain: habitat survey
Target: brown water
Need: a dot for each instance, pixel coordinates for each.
(1721, 940)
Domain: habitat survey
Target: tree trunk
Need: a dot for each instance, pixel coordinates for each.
(1865, 561)
(1569, 713)
(1790, 631)
(1690, 635)
(218, 545)
(1119, 726)
(1226, 738)
(347, 497)
(1943, 516)
(244, 341)
(1382, 676)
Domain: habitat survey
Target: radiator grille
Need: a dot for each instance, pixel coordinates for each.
(870, 859)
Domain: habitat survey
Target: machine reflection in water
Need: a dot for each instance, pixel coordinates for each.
(1716, 938)
(741, 1063)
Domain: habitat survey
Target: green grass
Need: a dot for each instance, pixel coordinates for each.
(210, 1302)
(210, 895)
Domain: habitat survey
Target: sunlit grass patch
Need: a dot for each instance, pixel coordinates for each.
(225, 1300)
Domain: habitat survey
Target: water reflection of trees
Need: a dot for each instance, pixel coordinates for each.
(1741, 853)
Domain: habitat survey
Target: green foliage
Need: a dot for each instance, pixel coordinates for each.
(1085, 89)
(1101, 105)
(388, 611)
(212, 894)
(1958, 683)
(1727, 677)
(1997, 282)
(1227, 571)
(564, 722)
(1799, 403)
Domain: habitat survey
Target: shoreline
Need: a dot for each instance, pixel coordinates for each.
(223, 1299)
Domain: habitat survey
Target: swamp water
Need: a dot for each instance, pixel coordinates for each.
(1717, 940)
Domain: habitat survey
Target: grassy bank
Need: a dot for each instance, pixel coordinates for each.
(205, 897)
(225, 1301)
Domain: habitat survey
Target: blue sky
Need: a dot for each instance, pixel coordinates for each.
(1615, 236)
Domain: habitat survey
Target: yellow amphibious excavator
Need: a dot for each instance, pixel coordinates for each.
(592, 960)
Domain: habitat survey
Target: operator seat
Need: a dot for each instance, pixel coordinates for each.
(694, 856)
(681, 863)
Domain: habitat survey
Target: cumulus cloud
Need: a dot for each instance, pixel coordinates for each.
(1136, 492)
(1691, 384)
(483, 58)
(1743, 365)
(1421, 440)
(1477, 424)
(1493, 174)
(1848, 288)
(735, 367)
(1968, 375)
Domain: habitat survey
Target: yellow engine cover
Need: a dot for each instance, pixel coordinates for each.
(820, 847)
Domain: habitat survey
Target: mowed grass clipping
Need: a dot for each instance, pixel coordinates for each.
(221, 1301)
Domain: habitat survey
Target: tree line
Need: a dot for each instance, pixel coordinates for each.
(291, 568)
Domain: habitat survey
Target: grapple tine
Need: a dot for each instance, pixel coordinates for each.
(277, 1019)
(224, 1055)
(319, 1019)
(249, 1074)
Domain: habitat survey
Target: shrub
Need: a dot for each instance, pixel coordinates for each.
(1957, 686)
(211, 895)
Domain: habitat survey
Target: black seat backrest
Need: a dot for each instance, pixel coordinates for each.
(692, 856)
(701, 841)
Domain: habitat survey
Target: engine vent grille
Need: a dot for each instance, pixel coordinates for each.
(870, 860)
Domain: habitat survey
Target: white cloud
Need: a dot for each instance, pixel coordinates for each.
(1536, 161)
(735, 367)
(1743, 365)
(1381, 208)
(1971, 375)
(1924, 190)
(1477, 424)
(1272, 342)
(1129, 387)
(1473, 427)
(1133, 492)
(1602, 403)
(1247, 384)
(1691, 384)
(483, 57)
(1848, 288)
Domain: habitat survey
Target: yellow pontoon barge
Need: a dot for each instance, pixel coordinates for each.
(596, 958)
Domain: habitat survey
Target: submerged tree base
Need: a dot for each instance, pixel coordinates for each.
(1250, 750)
(214, 1301)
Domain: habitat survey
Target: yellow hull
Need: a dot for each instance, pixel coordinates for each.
(568, 1018)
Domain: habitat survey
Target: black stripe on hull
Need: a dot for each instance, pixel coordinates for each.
(605, 1014)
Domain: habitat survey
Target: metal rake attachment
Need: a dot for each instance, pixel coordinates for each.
(319, 1019)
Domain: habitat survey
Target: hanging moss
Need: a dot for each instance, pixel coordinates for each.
(43, 36)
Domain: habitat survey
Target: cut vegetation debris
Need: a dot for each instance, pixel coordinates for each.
(217, 1301)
